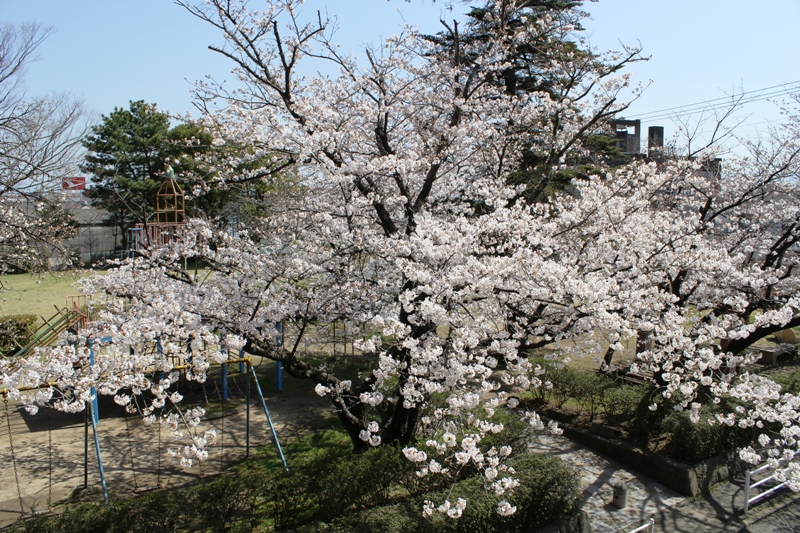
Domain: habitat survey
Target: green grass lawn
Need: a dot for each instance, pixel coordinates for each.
(38, 293)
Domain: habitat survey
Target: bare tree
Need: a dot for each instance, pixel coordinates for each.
(39, 143)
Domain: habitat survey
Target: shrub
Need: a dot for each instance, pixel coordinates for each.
(549, 490)
(589, 391)
(548, 493)
(689, 441)
(403, 517)
(622, 398)
(289, 503)
(788, 379)
(166, 511)
(694, 442)
(327, 479)
(232, 503)
(646, 422)
(15, 331)
(335, 487)
(87, 518)
(562, 379)
(514, 431)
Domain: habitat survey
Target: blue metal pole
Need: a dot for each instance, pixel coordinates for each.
(278, 364)
(95, 409)
(99, 460)
(225, 376)
(95, 419)
(225, 382)
(269, 419)
(247, 420)
(160, 352)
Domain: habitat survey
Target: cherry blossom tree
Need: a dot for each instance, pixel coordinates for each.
(407, 165)
(409, 226)
(700, 264)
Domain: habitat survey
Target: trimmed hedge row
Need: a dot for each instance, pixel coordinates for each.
(693, 442)
(595, 393)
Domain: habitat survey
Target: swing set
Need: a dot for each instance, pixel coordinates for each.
(170, 218)
(92, 418)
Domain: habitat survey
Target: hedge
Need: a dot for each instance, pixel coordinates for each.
(548, 492)
(15, 331)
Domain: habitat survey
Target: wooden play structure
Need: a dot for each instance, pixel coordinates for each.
(170, 217)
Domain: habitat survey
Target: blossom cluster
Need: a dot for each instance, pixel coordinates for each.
(410, 229)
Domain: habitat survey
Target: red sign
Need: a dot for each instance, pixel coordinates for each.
(74, 184)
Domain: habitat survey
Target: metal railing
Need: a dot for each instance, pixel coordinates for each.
(649, 527)
(748, 487)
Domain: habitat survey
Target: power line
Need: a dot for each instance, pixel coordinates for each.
(723, 98)
(723, 102)
(721, 107)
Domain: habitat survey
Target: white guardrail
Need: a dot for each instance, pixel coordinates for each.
(748, 487)
(649, 527)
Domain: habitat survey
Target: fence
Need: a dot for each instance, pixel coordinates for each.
(748, 487)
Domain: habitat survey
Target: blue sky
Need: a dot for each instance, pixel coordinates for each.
(112, 51)
(109, 52)
(705, 49)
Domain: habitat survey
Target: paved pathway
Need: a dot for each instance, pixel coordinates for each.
(718, 511)
(645, 497)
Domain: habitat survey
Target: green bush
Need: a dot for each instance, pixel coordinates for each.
(329, 489)
(562, 378)
(355, 481)
(222, 505)
(327, 479)
(288, 502)
(403, 517)
(88, 518)
(788, 379)
(622, 398)
(689, 441)
(644, 422)
(548, 492)
(15, 331)
(589, 391)
(514, 431)
(233, 503)
(693, 442)
(592, 391)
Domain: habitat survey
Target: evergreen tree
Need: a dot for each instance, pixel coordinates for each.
(127, 155)
(529, 68)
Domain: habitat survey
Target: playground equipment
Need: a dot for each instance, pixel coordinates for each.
(244, 362)
(92, 419)
(73, 316)
(170, 217)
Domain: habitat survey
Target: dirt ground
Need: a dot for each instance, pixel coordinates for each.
(47, 464)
